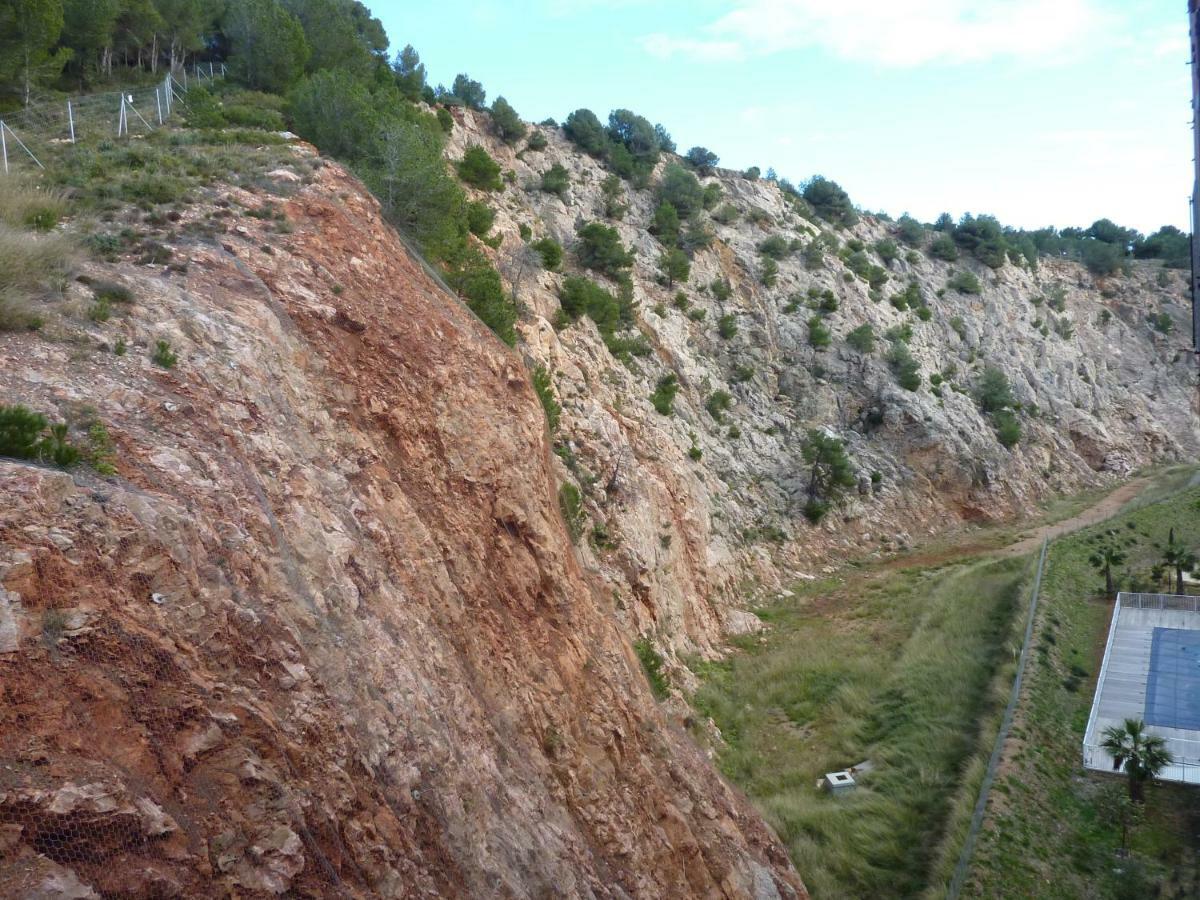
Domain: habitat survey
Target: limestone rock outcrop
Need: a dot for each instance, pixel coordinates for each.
(689, 543)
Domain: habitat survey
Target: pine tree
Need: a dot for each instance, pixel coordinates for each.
(410, 73)
(268, 45)
(830, 473)
(29, 29)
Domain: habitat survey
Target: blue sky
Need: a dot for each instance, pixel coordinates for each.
(1037, 111)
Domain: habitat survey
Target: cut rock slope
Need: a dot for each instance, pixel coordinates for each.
(324, 633)
(689, 543)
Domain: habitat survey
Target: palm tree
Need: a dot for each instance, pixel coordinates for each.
(1177, 557)
(1142, 755)
(1104, 559)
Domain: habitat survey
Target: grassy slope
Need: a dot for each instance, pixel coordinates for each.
(900, 667)
(1047, 834)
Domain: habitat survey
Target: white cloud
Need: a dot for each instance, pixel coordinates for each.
(896, 32)
(664, 46)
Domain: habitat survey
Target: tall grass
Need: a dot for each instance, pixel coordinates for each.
(903, 673)
(30, 267)
(25, 204)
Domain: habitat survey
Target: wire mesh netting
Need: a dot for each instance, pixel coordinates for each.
(90, 118)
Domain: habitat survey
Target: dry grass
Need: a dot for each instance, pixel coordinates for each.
(26, 204)
(31, 266)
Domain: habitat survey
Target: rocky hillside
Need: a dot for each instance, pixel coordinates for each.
(690, 518)
(323, 633)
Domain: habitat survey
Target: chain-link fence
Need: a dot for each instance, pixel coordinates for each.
(25, 134)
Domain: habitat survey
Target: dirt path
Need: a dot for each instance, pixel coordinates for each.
(1105, 508)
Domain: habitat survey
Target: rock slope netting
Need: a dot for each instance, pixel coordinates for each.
(324, 633)
(685, 542)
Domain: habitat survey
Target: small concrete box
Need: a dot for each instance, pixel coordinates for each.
(839, 782)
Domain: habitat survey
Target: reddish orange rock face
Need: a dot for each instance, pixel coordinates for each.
(325, 633)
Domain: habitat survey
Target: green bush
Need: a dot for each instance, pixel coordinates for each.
(468, 91)
(243, 115)
(543, 385)
(1008, 427)
(584, 129)
(814, 257)
(887, 250)
(680, 188)
(409, 176)
(163, 356)
(829, 201)
(775, 247)
(712, 194)
(1102, 258)
(721, 289)
(600, 249)
(108, 291)
(570, 503)
(480, 217)
(819, 336)
(759, 217)
(537, 141)
(675, 266)
(726, 214)
(770, 272)
(910, 231)
(613, 192)
(551, 252)
(663, 398)
(993, 391)
(652, 665)
(702, 160)
(815, 510)
(506, 123)
(579, 296)
(556, 180)
(480, 285)
(718, 404)
(944, 248)
(445, 119)
(741, 373)
(727, 326)
(25, 434)
(665, 224)
(859, 263)
(477, 168)
(964, 282)
(905, 366)
(862, 339)
(830, 473)
(1161, 322)
(909, 298)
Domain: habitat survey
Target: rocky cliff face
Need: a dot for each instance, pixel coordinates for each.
(687, 543)
(324, 633)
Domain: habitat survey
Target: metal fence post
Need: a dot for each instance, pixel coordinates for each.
(158, 105)
(71, 120)
(4, 146)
